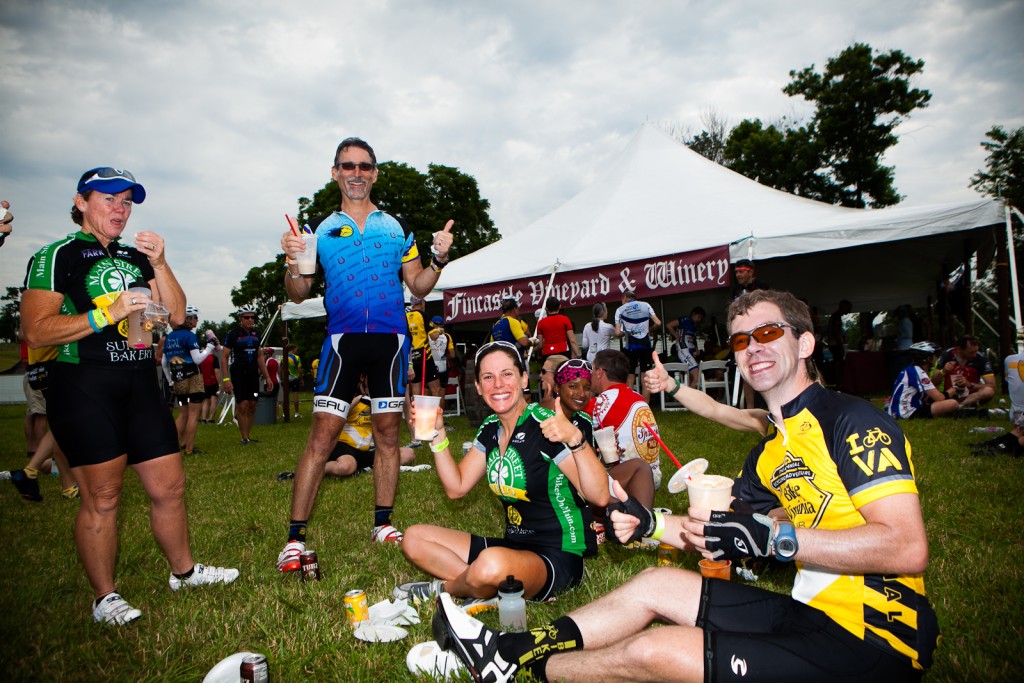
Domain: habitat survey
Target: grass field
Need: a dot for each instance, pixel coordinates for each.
(239, 513)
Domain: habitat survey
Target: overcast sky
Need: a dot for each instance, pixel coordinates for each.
(228, 112)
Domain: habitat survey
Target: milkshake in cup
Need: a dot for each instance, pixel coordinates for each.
(425, 426)
(710, 492)
(306, 260)
(607, 444)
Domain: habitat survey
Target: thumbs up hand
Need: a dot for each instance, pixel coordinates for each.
(558, 428)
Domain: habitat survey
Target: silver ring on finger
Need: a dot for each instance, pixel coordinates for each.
(134, 302)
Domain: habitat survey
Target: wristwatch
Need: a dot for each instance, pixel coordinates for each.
(785, 545)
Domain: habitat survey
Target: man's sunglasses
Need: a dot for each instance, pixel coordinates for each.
(247, 317)
(364, 166)
(762, 334)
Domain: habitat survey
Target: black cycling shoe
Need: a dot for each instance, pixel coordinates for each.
(472, 642)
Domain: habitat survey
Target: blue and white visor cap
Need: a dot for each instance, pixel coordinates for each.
(111, 181)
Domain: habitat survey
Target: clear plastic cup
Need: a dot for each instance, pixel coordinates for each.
(710, 492)
(155, 317)
(607, 444)
(425, 425)
(306, 260)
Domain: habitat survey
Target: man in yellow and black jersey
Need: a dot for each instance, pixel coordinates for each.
(831, 487)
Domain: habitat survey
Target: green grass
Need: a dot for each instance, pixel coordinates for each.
(238, 514)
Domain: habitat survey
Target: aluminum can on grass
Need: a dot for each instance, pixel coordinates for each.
(254, 669)
(356, 608)
(309, 566)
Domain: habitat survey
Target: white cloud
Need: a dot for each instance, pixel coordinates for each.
(228, 111)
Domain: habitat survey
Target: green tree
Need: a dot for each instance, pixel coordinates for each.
(786, 158)
(860, 99)
(1004, 167)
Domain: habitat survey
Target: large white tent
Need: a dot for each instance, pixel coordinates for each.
(658, 198)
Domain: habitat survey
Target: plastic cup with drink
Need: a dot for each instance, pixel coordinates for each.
(306, 260)
(710, 492)
(607, 444)
(425, 418)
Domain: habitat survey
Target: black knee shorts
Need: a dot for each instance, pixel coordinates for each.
(245, 385)
(565, 570)
(384, 358)
(428, 369)
(639, 357)
(751, 635)
(364, 459)
(98, 414)
(211, 390)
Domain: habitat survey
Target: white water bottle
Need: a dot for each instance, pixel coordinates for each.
(511, 605)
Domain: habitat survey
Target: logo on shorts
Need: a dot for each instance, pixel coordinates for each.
(739, 666)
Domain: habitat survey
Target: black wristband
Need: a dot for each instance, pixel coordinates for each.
(579, 444)
(436, 265)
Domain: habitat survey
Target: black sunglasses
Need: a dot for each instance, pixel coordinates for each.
(762, 334)
(364, 166)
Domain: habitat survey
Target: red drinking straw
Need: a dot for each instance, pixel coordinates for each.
(658, 439)
(423, 374)
(292, 224)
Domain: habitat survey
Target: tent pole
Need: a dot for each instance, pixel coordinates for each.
(543, 310)
(1015, 290)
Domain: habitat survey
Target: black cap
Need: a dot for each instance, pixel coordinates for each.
(510, 585)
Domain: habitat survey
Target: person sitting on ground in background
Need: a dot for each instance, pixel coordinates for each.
(295, 375)
(684, 331)
(573, 380)
(618, 406)
(965, 373)
(180, 363)
(598, 334)
(858, 609)
(555, 332)
(354, 451)
(913, 394)
(538, 463)
(634, 321)
(1012, 443)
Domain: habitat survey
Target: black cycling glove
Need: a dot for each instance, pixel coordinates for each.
(631, 507)
(733, 536)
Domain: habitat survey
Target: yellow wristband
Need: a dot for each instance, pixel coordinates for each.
(99, 318)
(659, 525)
(106, 314)
(440, 447)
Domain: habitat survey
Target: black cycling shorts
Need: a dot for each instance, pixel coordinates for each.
(364, 459)
(245, 385)
(98, 414)
(384, 358)
(639, 357)
(751, 635)
(565, 570)
(428, 369)
(211, 390)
